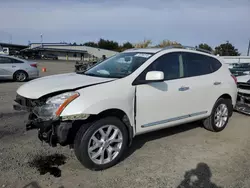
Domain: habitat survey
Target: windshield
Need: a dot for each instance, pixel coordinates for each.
(119, 66)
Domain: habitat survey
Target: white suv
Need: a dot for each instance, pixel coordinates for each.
(100, 111)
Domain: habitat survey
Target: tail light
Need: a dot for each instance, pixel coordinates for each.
(235, 79)
(33, 65)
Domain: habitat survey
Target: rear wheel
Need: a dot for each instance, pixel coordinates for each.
(219, 117)
(102, 144)
(20, 76)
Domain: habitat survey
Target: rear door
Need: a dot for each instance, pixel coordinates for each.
(204, 78)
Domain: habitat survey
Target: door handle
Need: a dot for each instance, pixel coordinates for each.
(217, 83)
(13, 66)
(183, 88)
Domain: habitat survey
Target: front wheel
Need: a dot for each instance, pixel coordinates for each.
(102, 144)
(219, 117)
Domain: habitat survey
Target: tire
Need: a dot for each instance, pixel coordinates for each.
(85, 139)
(210, 123)
(20, 76)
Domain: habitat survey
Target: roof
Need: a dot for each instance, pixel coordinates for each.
(12, 45)
(54, 50)
(52, 43)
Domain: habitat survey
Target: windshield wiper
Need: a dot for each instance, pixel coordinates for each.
(90, 74)
(102, 76)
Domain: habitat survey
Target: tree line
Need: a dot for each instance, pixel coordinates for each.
(224, 49)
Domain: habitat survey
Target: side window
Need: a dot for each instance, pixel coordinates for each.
(5, 60)
(215, 64)
(170, 64)
(16, 61)
(197, 64)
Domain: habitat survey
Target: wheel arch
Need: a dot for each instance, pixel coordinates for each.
(225, 96)
(120, 114)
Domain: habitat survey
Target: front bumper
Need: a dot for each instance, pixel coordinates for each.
(243, 103)
(53, 132)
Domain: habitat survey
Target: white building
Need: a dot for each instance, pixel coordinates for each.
(69, 52)
(236, 59)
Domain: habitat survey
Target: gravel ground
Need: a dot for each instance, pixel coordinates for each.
(173, 157)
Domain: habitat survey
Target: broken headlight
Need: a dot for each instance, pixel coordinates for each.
(55, 105)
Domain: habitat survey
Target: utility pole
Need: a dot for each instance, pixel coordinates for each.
(41, 40)
(248, 48)
(227, 48)
(10, 38)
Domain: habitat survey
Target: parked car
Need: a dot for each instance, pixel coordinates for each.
(243, 99)
(81, 66)
(239, 69)
(50, 56)
(100, 111)
(17, 69)
(34, 56)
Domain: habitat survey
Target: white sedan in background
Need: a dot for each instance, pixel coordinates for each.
(17, 69)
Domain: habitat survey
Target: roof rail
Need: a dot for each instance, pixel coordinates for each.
(187, 47)
(197, 49)
(177, 46)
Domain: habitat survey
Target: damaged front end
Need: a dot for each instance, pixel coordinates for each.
(243, 98)
(44, 115)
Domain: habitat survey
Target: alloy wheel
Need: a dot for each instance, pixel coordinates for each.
(20, 76)
(221, 115)
(105, 144)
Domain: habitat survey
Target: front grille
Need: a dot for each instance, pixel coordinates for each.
(242, 85)
(24, 101)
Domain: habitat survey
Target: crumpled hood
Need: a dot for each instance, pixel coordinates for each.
(244, 79)
(39, 87)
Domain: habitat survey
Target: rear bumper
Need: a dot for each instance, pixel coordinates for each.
(33, 74)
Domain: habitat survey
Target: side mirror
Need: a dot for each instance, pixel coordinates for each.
(151, 76)
(155, 76)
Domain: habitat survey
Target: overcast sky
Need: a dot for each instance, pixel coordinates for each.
(189, 22)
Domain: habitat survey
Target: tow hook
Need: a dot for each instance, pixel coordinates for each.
(48, 137)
